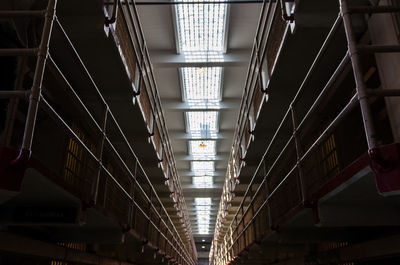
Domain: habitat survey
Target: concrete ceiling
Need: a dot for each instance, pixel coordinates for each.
(159, 29)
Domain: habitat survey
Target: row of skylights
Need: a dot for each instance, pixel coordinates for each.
(201, 38)
(203, 212)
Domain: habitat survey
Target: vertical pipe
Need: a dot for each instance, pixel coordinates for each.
(37, 81)
(358, 76)
(300, 180)
(13, 105)
(95, 187)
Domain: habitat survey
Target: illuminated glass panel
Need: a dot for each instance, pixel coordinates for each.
(202, 123)
(202, 85)
(202, 201)
(202, 149)
(203, 182)
(202, 166)
(201, 27)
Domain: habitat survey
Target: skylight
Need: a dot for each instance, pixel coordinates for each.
(202, 84)
(203, 167)
(202, 123)
(203, 211)
(201, 28)
(201, 38)
(202, 149)
(202, 201)
(203, 181)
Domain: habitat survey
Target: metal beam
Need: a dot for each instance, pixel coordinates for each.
(201, 2)
(177, 105)
(221, 156)
(179, 135)
(169, 59)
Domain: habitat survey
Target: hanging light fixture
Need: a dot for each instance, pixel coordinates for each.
(202, 144)
(201, 70)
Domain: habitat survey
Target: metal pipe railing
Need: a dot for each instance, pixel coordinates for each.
(98, 94)
(304, 83)
(313, 67)
(360, 97)
(155, 102)
(44, 59)
(251, 79)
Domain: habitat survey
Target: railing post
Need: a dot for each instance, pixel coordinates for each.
(13, 105)
(38, 77)
(133, 207)
(300, 180)
(366, 113)
(149, 215)
(95, 187)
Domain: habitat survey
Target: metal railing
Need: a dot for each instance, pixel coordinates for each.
(157, 218)
(131, 18)
(259, 211)
(270, 16)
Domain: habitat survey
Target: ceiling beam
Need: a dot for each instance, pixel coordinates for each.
(189, 173)
(179, 135)
(221, 156)
(169, 59)
(225, 105)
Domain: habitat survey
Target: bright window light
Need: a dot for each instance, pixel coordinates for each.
(203, 231)
(192, 57)
(202, 166)
(202, 201)
(201, 27)
(203, 182)
(202, 122)
(202, 85)
(202, 149)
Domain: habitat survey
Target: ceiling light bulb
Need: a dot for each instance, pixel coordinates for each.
(202, 145)
(201, 70)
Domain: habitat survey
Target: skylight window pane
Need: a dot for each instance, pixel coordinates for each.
(202, 201)
(203, 182)
(202, 149)
(202, 122)
(203, 166)
(201, 27)
(202, 84)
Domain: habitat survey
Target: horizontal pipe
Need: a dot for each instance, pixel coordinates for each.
(383, 92)
(21, 13)
(373, 9)
(194, 2)
(379, 48)
(15, 94)
(19, 52)
(200, 2)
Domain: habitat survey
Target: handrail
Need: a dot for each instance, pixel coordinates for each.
(344, 62)
(250, 93)
(157, 110)
(251, 80)
(182, 252)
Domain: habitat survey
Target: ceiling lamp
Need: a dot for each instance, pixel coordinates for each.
(202, 145)
(201, 70)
